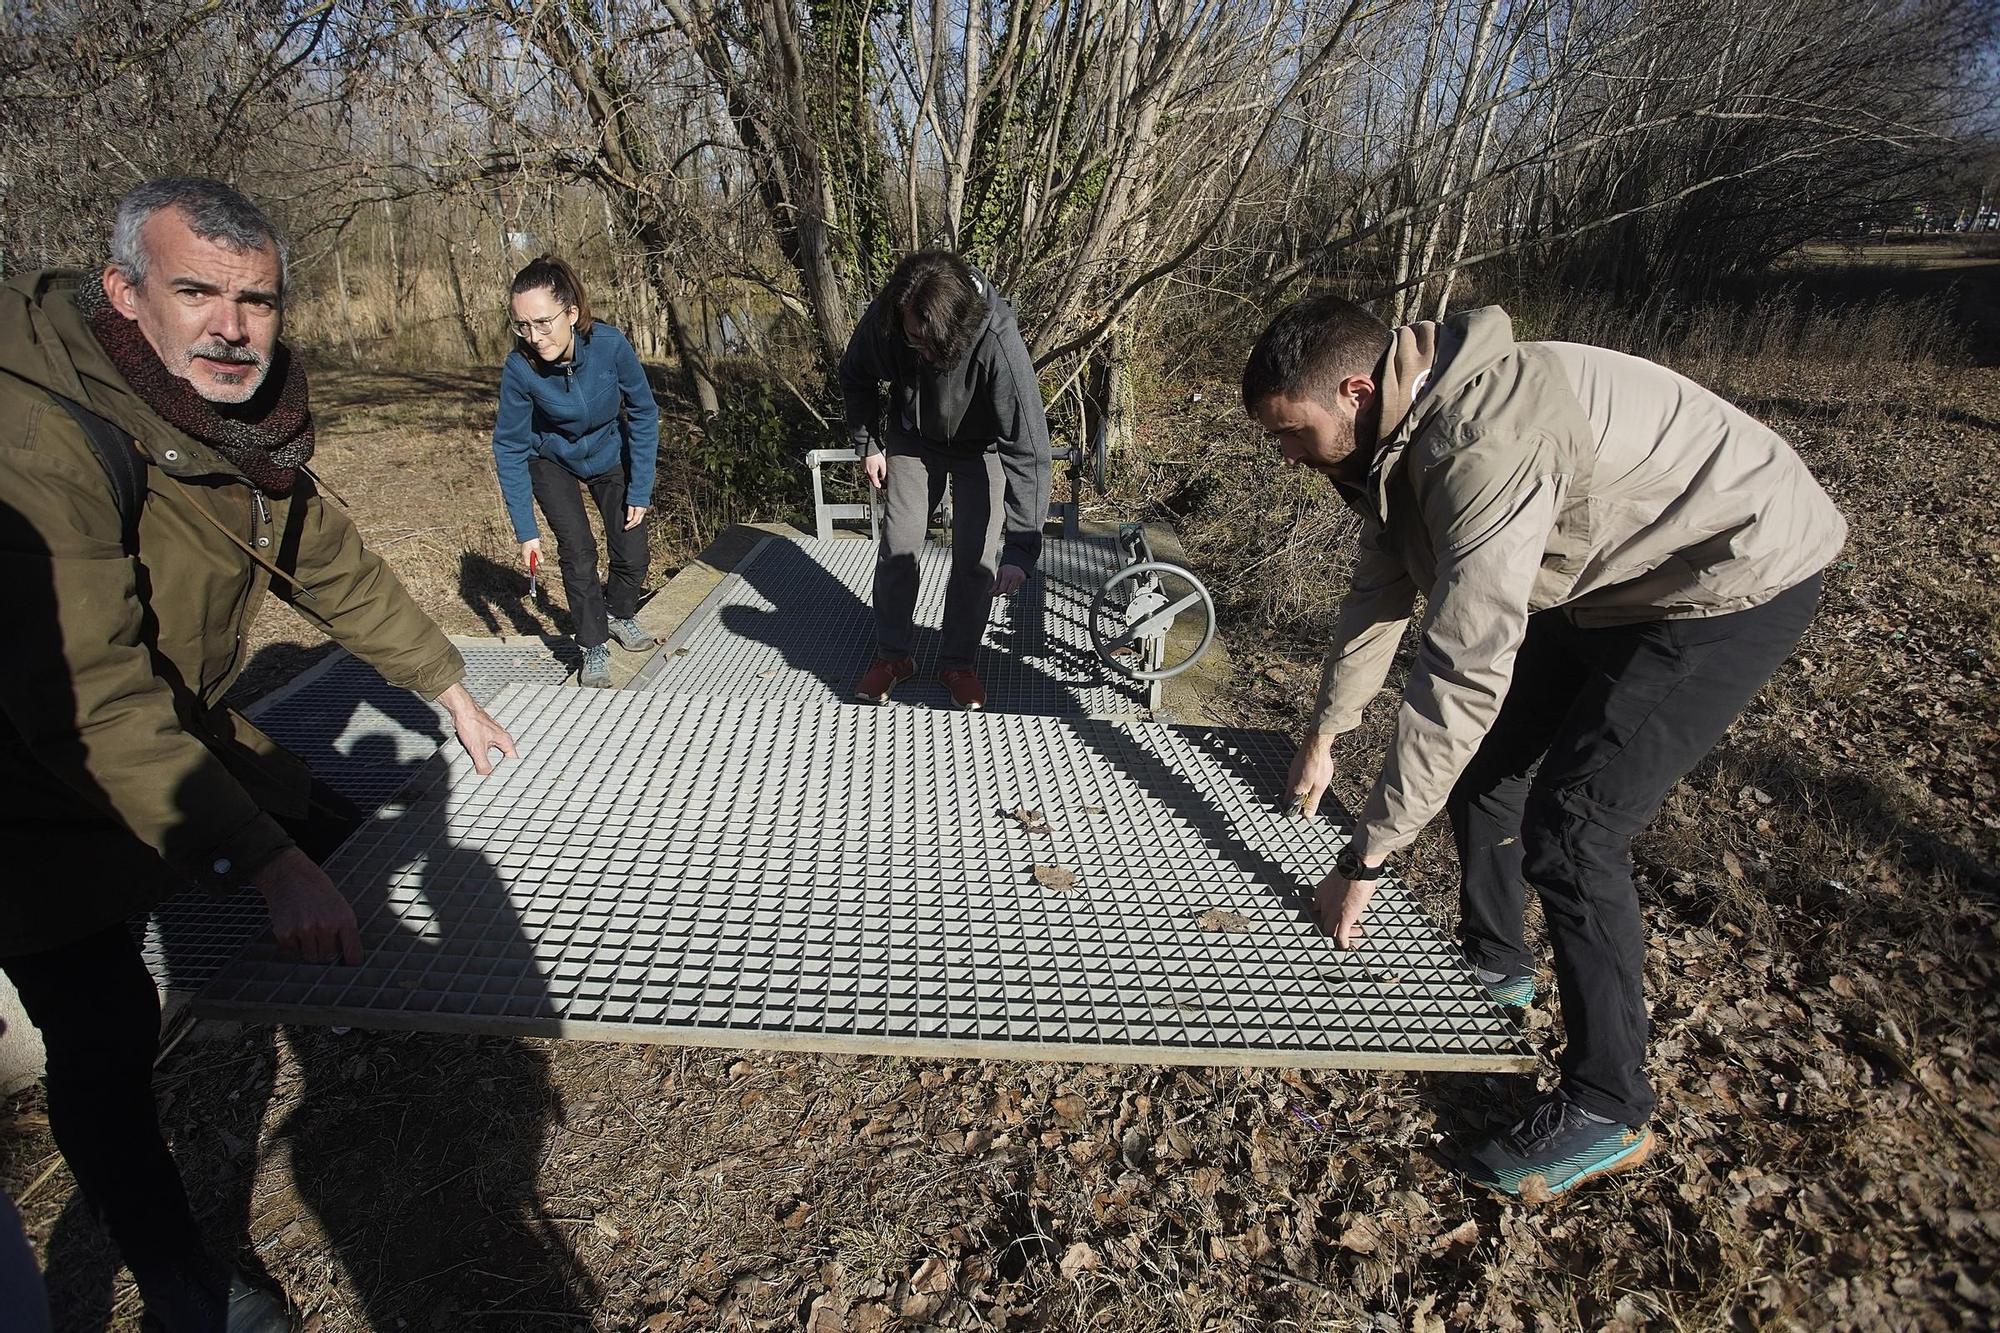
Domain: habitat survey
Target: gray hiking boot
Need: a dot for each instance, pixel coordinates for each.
(1508, 991)
(596, 673)
(1558, 1146)
(630, 637)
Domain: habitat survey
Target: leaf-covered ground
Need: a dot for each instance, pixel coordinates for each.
(1821, 897)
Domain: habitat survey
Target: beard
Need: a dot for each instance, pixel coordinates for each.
(1336, 456)
(227, 387)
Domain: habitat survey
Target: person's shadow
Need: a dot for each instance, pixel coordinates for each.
(418, 1152)
(497, 592)
(815, 624)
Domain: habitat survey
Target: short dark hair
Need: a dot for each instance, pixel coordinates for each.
(1310, 348)
(561, 282)
(947, 309)
(214, 211)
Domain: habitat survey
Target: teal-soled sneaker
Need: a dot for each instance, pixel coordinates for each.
(1507, 992)
(596, 673)
(1556, 1148)
(630, 637)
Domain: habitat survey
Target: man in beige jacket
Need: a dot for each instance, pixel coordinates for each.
(1613, 561)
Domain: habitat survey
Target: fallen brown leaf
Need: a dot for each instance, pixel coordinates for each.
(1219, 919)
(1361, 1236)
(1079, 1258)
(824, 1315)
(1463, 1237)
(869, 1318)
(1055, 877)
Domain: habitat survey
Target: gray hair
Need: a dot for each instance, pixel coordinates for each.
(215, 211)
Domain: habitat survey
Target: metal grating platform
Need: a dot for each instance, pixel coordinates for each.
(795, 620)
(786, 874)
(363, 737)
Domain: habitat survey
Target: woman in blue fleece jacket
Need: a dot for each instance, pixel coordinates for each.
(577, 416)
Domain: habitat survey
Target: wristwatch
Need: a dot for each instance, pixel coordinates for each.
(1349, 866)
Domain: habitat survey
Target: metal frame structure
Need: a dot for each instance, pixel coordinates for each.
(827, 513)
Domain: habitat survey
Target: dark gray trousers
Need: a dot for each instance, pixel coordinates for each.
(916, 481)
(1597, 727)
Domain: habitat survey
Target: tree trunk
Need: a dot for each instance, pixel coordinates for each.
(458, 300)
(346, 317)
(1107, 395)
(684, 325)
(395, 271)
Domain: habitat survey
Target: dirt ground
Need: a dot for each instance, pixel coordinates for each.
(1821, 897)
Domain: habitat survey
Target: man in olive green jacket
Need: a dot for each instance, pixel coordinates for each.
(125, 778)
(1613, 562)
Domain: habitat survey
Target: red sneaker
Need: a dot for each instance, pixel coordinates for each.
(885, 675)
(963, 682)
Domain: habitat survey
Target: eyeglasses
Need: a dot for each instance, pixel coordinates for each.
(524, 327)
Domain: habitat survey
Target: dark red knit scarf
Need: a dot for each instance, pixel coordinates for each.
(269, 438)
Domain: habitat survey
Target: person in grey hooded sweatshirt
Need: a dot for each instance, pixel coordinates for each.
(963, 408)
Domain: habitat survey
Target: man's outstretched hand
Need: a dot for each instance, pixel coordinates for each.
(477, 731)
(1312, 773)
(309, 917)
(1341, 904)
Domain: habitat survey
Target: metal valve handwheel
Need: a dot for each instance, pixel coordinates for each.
(1149, 612)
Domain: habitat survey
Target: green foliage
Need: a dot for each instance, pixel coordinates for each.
(1082, 196)
(1008, 157)
(852, 155)
(748, 459)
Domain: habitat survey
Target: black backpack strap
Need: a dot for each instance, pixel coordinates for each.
(121, 463)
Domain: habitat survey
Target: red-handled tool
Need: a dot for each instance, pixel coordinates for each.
(534, 582)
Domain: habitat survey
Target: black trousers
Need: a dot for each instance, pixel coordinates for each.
(99, 1015)
(98, 1012)
(560, 493)
(1614, 717)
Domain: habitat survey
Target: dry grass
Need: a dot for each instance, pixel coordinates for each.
(409, 453)
(1821, 898)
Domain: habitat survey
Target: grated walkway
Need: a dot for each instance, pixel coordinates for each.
(781, 873)
(364, 738)
(794, 620)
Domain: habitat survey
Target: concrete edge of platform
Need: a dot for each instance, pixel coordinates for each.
(674, 604)
(1188, 697)
(285, 689)
(21, 1054)
(279, 693)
